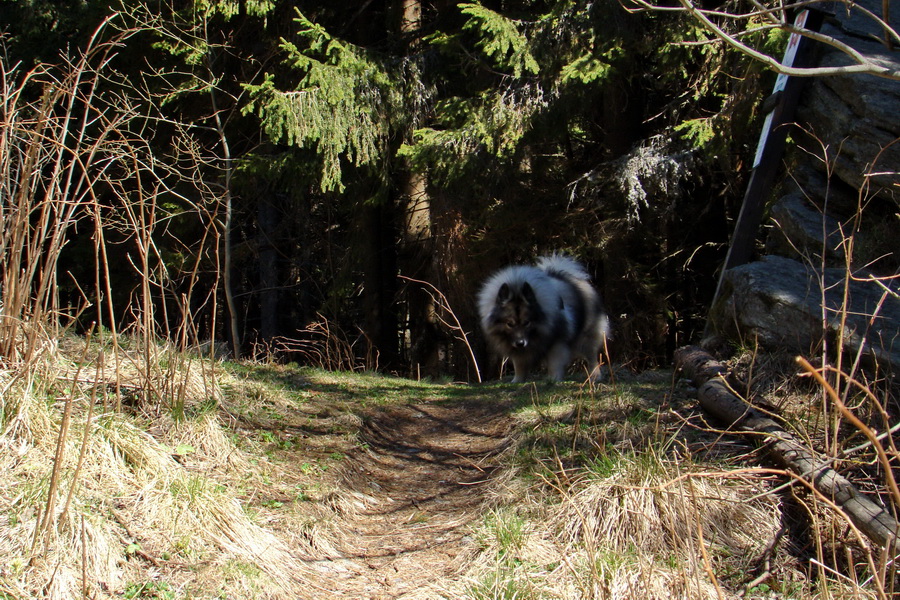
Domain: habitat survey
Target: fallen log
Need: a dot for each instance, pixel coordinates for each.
(785, 448)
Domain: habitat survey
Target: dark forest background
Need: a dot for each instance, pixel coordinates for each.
(333, 180)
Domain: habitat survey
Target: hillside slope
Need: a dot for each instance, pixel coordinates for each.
(274, 481)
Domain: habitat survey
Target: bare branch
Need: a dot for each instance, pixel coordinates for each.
(861, 62)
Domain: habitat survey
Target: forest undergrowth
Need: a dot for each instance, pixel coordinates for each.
(277, 481)
(133, 465)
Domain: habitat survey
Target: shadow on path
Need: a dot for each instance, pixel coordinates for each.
(420, 476)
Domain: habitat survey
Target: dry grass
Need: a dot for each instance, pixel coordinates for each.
(600, 504)
(241, 491)
(139, 501)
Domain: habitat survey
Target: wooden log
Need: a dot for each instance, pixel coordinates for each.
(785, 448)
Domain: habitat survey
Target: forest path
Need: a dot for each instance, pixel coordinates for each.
(419, 479)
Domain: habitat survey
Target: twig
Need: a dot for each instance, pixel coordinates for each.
(445, 304)
(804, 464)
(854, 420)
(863, 63)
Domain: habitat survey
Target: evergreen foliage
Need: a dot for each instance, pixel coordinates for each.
(342, 106)
(233, 8)
(500, 39)
(527, 127)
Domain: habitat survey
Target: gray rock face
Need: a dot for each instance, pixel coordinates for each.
(857, 117)
(852, 153)
(848, 167)
(798, 230)
(782, 303)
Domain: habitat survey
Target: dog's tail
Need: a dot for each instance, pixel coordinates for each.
(563, 266)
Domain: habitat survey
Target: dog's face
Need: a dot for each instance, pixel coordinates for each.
(515, 315)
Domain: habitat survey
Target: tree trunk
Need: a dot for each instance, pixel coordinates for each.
(227, 252)
(417, 253)
(269, 287)
(380, 281)
(416, 250)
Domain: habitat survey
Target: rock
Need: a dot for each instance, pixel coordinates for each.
(854, 22)
(847, 167)
(854, 117)
(835, 197)
(799, 229)
(778, 303)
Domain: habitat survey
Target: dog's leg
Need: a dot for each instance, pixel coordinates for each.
(521, 366)
(600, 355)
(597, 373)
(557, 360)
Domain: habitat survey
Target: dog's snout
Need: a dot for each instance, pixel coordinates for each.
(520, 343)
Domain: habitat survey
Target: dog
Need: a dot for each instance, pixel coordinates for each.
(548, 312)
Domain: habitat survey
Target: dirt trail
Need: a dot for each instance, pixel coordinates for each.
(421, 476)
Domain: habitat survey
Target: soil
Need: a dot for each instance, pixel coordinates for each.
(421, 476)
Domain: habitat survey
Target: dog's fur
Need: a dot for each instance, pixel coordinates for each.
(545, 312)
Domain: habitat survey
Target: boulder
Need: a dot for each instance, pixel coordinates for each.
(847, 170)
(798, 230)
(830, 194)
(782, 303)
(854, 117)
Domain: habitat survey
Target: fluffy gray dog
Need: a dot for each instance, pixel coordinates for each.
(547, 312)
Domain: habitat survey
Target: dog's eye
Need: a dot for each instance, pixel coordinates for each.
(510, 324)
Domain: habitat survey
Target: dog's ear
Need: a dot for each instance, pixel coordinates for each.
(528, 293)
(504, 295)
